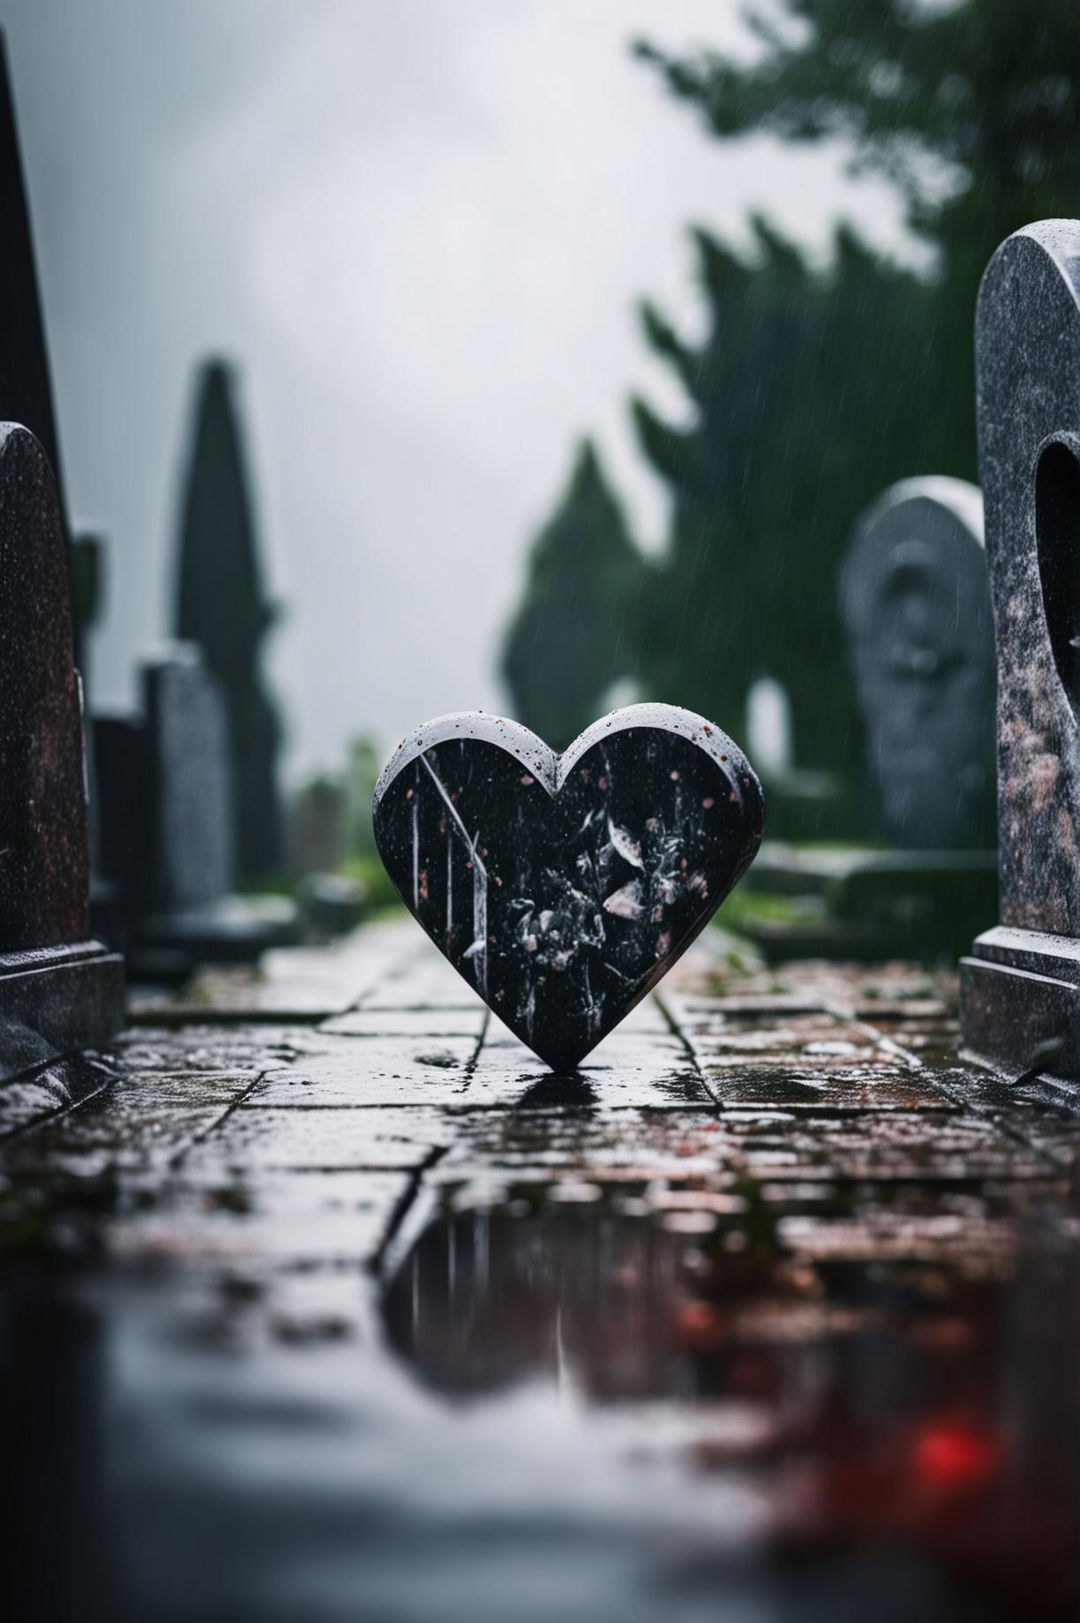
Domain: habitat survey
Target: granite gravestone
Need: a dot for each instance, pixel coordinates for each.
(1020, 988)
(166, 794)
(25, 385)
(563, 887)
(26, 397)
(59, 990)
(916, 606)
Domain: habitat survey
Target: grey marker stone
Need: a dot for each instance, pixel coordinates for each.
(916, 605)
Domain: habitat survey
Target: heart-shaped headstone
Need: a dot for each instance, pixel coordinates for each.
(562, 887)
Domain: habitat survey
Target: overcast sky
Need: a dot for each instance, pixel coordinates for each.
(421, 229)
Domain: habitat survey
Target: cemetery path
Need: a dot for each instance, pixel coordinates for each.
(322, 1298)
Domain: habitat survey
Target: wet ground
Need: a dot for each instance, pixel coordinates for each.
(322, 1300)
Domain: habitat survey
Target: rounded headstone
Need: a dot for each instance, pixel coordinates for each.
(916, 606)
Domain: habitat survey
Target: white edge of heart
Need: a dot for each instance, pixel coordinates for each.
(552, 770)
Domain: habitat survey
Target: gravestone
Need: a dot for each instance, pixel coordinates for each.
(166, 789)
(189, 760)
(222, 607)
(331, 902)
(26, 394)
(1020, 988)
(563, 887)
(25, 386)
(26, 397)
(59, 989)
(317, 828)
(916, 607)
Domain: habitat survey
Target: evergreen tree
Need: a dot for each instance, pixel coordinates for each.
(792, 434)
(222, 606)
(574, 635)
(812, 394)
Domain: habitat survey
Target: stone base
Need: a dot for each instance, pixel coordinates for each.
(55, 1000)
(858, 903)
(169, 947)
(807, 806)
(1020, 1001)
(330, 905)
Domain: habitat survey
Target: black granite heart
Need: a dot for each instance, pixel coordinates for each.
(562, 887)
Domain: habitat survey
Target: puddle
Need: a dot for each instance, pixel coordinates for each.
(917, 1400)
(582, 1403)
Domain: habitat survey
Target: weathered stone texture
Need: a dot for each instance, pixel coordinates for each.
(1028, 357)
(44, 849)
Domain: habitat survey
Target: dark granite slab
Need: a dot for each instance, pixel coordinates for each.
(58, 989)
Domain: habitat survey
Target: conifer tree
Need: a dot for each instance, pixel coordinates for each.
(574, 634)
(792, 434)
(971, 110)
(221, 605)
(812, 394)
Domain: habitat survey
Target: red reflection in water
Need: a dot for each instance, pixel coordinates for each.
(956, 1455)
(934, 1407)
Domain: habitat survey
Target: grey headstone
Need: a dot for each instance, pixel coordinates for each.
(916, 605)
(1019, 990)
(168, 829)
(189, 761)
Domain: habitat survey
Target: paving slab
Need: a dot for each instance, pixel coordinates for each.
(788, 1084)
(264, 1220)
(271, 1137)
(514, 1079)
(426, 1023)
(357, 1071)
(51, 1089)
(769, 1309)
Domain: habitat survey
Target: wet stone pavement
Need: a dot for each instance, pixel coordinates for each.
(321, 1299)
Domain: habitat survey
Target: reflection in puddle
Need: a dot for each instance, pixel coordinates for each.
(492, 1299)
(925, 1404)
(583, 1405)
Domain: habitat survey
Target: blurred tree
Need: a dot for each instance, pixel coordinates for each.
(972, 110)
(793, 431)
(814, 393)
(574, 635)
